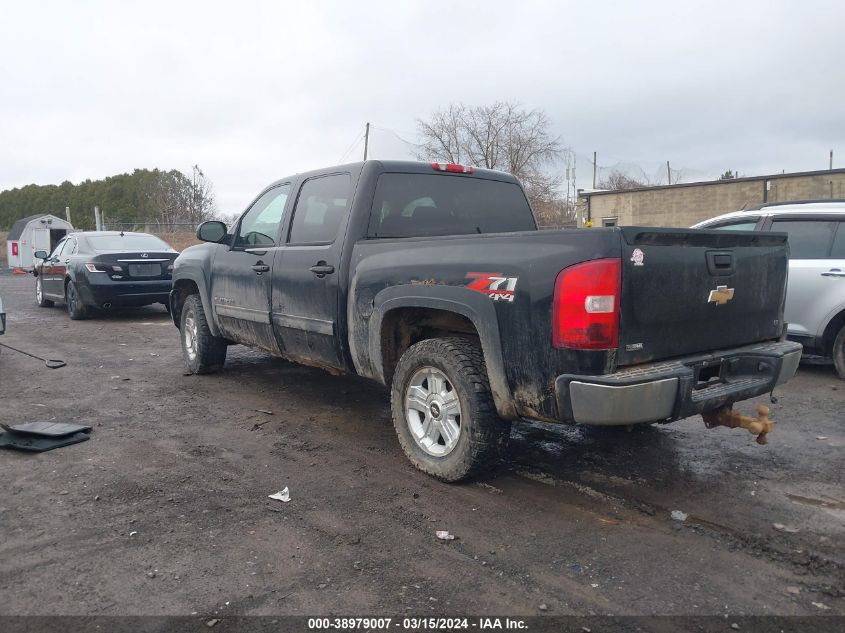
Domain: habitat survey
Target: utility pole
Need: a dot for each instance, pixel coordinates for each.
(831, 159)
(366, 139)
(98, 222)
(668, 173)
(67, 215)
(594, 170)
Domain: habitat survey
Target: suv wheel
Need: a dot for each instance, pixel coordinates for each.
(839, 353)
(75, 308)
(203, 352)
(39, 294)
(443, 410)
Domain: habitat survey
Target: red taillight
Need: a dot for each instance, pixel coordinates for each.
(585, 314)
(451, 167)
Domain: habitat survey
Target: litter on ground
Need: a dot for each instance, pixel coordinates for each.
(283, 495)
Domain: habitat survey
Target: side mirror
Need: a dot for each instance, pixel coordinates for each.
(211, 231)
(40, 254)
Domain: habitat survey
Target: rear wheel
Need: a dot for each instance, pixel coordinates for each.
(443, 410)
(39, 294)
(75, 308)
(203, 352)
(839, 353)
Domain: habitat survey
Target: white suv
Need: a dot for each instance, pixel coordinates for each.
(815, 294)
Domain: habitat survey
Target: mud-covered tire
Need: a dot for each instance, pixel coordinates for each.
(39, 294)
(838, 353)
(483, 435)
(202, 352)
(76, 310)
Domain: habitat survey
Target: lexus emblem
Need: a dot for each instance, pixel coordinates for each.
(147, 255)
(721, 295)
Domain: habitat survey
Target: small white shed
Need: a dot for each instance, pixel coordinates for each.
(40, 232)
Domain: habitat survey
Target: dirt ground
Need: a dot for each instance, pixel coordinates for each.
(165, 509)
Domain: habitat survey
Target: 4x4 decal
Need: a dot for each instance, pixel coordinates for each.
(494, 285)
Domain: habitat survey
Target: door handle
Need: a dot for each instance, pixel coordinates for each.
(261, 268)
(321, 269)
(834, 272)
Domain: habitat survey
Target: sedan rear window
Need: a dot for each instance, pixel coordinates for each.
(127, 242)
(412, 205)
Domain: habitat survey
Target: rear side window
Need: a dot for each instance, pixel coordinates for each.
(838, 250)
(320, 209)
(737, 226)
(808, 239)
(412, 205)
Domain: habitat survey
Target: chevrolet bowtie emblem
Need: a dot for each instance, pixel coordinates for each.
(721, 295)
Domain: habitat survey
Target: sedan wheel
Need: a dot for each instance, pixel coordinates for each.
(75, 308)
(39, 294)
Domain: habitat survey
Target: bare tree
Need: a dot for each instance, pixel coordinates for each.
(503, 136)
(177, 198)
(617, 180)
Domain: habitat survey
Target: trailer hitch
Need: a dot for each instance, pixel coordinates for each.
(760, 426)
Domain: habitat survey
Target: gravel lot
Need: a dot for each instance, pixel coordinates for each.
(165, 509)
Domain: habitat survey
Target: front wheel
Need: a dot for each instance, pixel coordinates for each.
(839, 353)
(76, 310)
(39, 294)
(443, 410)
(203, 352)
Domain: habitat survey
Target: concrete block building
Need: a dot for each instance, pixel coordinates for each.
(685, 204)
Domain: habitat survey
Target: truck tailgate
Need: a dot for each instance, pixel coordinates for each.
(687, 291)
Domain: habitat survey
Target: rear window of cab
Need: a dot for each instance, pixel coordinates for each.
(420, 205)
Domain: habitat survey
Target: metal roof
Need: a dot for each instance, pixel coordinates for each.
(18, 227)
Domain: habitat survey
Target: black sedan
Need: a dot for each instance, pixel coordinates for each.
(104, 269)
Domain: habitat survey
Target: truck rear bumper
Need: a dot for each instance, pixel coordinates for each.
(671, 390)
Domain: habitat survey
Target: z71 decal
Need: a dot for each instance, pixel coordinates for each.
(494, 285)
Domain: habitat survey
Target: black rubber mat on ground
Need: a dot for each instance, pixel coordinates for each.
(47, 429)
(39, 444)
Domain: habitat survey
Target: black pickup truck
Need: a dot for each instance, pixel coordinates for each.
(435, 280)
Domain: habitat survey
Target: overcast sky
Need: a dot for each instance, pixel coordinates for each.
(253, 91)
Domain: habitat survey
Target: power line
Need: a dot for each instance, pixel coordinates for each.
(358, 138)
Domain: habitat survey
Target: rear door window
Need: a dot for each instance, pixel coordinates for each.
(412, 205)
(808, 239)
(320, 209)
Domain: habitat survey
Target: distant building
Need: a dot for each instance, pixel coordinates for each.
(685, 204)
(41, 232)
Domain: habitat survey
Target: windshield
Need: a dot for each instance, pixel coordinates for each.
(127, 242)
(411, 205)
